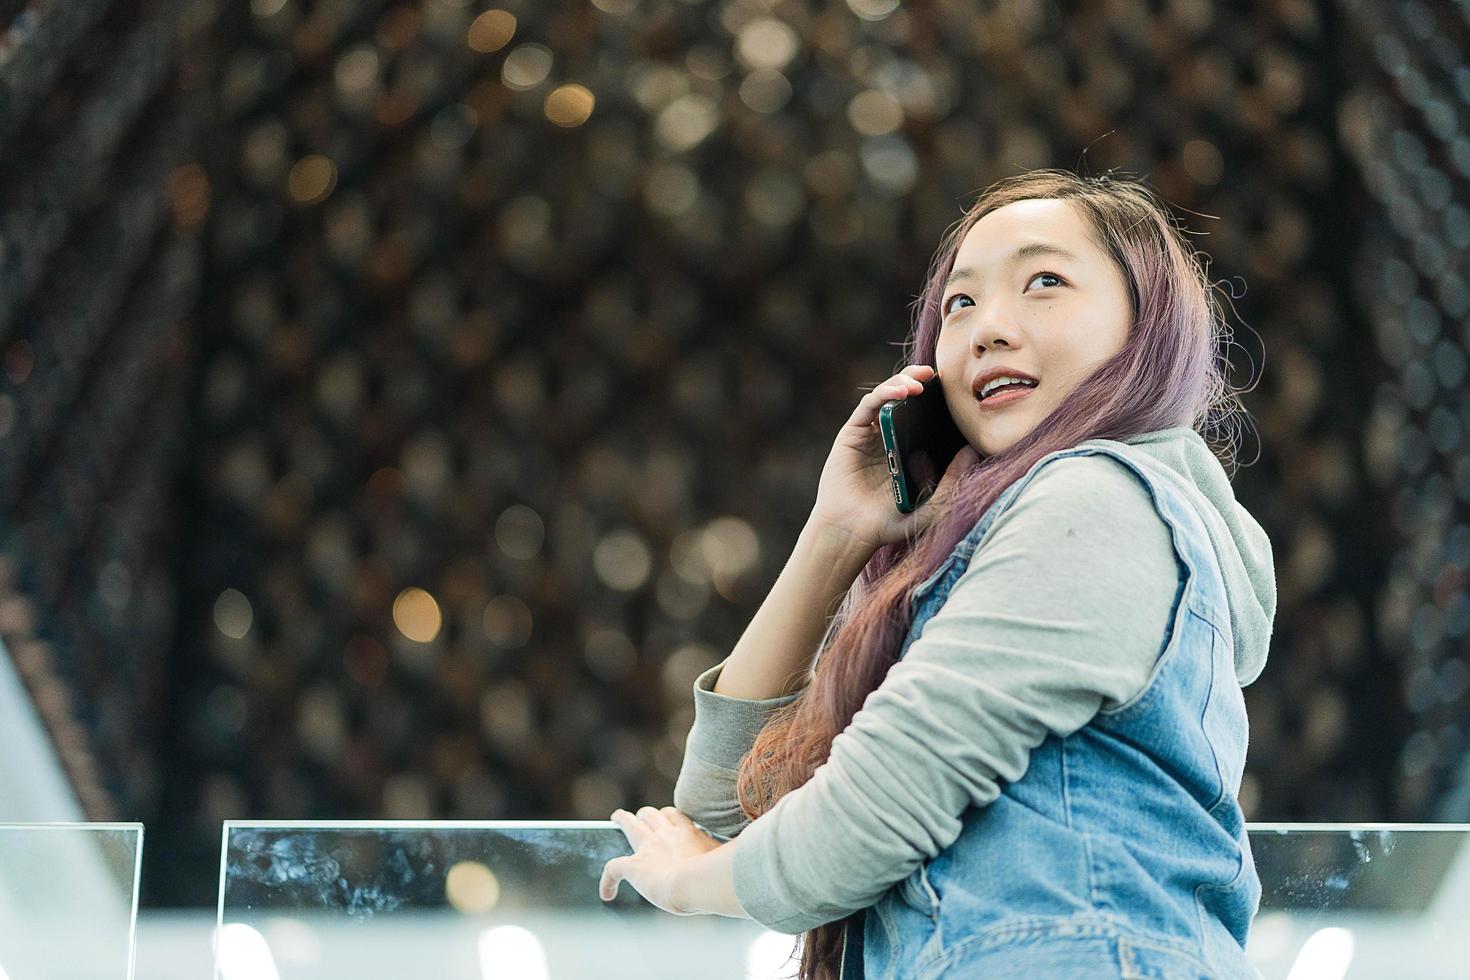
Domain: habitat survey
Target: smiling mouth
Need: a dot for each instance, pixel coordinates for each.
(1001, 397)
(1011, 386)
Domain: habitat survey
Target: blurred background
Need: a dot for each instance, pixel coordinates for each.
(401, 401)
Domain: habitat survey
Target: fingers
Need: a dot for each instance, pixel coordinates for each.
(631, 826)
(909, 381)
(612, 873)
(676, 816)
(653, 816)
(648, 818)
(636, 827)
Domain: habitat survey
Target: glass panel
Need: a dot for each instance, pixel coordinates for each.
(458, 901)
(474, 901)
(68, 900)
(1365, 900)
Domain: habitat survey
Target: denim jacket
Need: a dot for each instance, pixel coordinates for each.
(1122, 850)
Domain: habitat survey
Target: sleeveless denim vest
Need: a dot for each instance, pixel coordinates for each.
(1122, 851)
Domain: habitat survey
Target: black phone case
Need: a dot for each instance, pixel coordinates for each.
(920, 440)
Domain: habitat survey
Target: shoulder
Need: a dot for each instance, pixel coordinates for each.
(1082, 556)
(1092, 484)
(1087, 470)
(1079, 572)
(1084, 515)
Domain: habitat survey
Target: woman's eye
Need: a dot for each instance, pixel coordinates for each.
(1050, 275)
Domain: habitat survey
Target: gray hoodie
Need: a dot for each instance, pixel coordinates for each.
(1025, 645)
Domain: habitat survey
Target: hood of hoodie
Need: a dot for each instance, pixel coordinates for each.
(1240, 542)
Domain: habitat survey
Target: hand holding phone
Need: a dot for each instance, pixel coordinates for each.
(856, 495)
(920, 439)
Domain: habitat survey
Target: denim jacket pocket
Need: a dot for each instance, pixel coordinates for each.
(918, 893)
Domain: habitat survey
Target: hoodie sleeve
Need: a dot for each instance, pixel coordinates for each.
(723, 731)
(1061, 612)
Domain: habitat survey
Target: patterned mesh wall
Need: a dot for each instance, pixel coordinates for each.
(1405, 124)
(522, 331)
(100, 263)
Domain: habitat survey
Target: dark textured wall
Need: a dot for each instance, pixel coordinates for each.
(523, 330)
(101, 205)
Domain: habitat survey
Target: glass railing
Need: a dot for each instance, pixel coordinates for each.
(457, 901)
(68, 900)
(1362, 900)
(481, 900)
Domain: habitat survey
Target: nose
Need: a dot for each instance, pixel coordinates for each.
(991, 329)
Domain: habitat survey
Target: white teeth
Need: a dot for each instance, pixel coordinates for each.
(1004, 380)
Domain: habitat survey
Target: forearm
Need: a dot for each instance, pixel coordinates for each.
(775, 654)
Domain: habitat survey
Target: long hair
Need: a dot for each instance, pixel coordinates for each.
(1168, 373)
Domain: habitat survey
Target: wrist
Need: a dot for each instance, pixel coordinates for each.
(836, 543)
(682, 890)
(705, 884)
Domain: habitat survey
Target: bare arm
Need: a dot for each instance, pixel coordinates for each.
(772, 664)
(775, 654)
(853, 517)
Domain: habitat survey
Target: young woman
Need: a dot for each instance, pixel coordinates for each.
(1019, 751)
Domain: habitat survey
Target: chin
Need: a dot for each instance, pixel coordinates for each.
(1001, 438)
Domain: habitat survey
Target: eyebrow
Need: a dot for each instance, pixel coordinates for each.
(1027, 251)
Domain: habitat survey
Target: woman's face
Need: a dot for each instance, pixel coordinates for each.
(1053, 317)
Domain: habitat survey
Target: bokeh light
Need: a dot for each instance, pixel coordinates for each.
(417, 616)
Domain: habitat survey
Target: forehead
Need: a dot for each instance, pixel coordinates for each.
(996, 235)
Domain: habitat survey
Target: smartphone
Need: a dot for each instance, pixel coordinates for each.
(920, 440)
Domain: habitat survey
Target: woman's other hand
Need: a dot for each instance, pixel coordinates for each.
(662, 839)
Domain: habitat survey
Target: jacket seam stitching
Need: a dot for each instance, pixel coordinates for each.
(1183, 610)
(1092, 889)
(1209, 696)
(1234, 884)
(1100, 925)
(1066, 787)
(1183, 601)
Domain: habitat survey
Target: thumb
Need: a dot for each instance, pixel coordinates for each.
(924, 515)
(963, 460)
